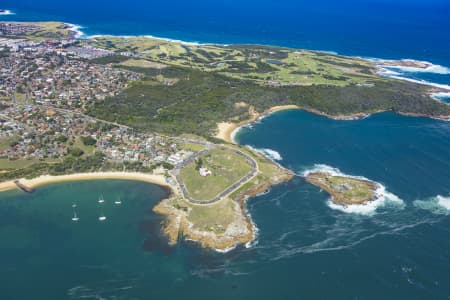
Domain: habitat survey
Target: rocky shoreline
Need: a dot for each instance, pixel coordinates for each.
(240, 231)
(345, 190)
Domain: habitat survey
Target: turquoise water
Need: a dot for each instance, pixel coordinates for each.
(305, 248)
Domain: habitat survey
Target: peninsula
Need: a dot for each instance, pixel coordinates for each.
(162, 111)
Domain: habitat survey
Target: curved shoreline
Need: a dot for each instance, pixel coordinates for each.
(192, 42)
(227, 130)
(48, 179)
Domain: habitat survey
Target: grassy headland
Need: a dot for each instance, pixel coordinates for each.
(192, 88)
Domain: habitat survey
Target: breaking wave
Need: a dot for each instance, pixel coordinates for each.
(412, 74)
(272, 154)
(437, 205)
(428, 67)
(383, 198)
(441, 96)
(6, 12)
(269, 153)
(77, 29)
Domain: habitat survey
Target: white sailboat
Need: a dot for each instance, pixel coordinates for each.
(75, 217)
(101, 200)
(102, 217)
(118, 201)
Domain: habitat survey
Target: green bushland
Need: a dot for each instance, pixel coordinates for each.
(207, 80)
(88, 140)
(70, 165)
(199, 100)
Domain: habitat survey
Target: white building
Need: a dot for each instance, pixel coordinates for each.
(204, 172)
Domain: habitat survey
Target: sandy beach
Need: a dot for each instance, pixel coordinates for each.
(47, 179)
(226, 129)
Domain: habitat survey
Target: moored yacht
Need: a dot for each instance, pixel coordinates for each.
(75, 217)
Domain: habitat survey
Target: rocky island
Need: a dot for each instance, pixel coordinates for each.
(345, 190)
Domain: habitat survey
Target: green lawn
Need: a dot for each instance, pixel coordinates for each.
(7, 164)
(227, 167)
(142, 63)
(357, 189)
(191, 147)
(5, 142)
(215, 217)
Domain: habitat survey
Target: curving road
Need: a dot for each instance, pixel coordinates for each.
(227, 191)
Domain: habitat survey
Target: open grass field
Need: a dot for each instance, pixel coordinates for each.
(214, 217)
(88, 150)
(142, 63)
(191, 147)
(7, 164)
(226, 167)
(46, 30)
(262, 65)
(352, 188)
(5, 142)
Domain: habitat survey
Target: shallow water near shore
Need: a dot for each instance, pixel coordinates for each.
(305, 248)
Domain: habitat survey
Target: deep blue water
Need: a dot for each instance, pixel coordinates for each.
(418, 29)
(377, 28)
(305, 249)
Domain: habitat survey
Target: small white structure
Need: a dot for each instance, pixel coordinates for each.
(204, 172)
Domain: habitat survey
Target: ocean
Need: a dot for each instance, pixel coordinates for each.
(417, 29)
(306, 247)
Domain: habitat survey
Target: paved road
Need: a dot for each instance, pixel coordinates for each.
(62, 110)
(176, 172)
(227, 191)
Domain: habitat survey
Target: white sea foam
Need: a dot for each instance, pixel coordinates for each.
(323, 168)
(6, 12)
(429, 67)
(441, 96)
(77, 29)
(382, 196)
(272, 154)
(233, 134)
(437, 205)
(188, 43)
(444, 202)
(226, 250)
(255, 241)
(388, 68)
(328, 52)
(387, 73)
